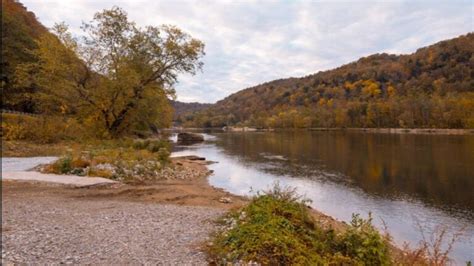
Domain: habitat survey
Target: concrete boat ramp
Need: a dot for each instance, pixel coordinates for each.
(17, 168)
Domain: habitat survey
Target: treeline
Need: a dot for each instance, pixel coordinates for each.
(115, 79)
(20, 32)
(433, 87)
(181, 108)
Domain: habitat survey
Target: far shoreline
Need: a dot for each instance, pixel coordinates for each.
(415, 131)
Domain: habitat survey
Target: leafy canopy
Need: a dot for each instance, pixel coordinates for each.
(118, 76)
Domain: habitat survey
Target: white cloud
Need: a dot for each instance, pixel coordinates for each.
(250, 42)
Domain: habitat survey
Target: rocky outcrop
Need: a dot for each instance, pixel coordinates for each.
(191, 158)
(187, 138)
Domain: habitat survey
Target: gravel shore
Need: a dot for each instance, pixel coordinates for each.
(40, 227)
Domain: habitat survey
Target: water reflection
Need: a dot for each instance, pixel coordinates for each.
(403, 179)
(436, 169)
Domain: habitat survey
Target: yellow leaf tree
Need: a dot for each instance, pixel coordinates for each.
(119, 73)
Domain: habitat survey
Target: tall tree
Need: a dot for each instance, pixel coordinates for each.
(117, 74)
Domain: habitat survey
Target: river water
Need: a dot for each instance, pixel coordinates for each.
(408, 181)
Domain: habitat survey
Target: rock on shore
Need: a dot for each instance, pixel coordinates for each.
(186, 138)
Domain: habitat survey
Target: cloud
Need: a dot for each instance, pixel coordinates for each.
(251, 42)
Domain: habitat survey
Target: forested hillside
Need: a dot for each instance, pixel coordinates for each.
(20, 31)
(115, 79)
(432, 87)
(181, 108)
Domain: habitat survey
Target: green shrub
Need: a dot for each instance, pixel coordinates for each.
(152, 145)
(364, 243)
(155, 147)
(276, 228)
(163, 156)
(140, 144)
(62, 166)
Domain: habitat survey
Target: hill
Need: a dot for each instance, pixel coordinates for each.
(432, 87)
(116, 79)
(181, 108)
(20, 30)
(21, 34)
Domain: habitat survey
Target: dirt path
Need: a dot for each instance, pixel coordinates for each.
(44, 224)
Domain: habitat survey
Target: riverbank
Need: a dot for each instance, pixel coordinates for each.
(50, 224)
(192, 191)
(189, 193)
(46, 222)
(431, 131)
(434, 131)
(167, 222)
(164, 222)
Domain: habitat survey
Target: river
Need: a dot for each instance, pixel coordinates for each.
(406, 180)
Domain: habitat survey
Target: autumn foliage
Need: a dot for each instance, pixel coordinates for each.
(431, 88)
(116, 79)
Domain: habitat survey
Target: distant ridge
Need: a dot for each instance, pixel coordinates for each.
(432, 87)
(181, 108)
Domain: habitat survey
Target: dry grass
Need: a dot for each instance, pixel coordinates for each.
(41, 129)
(433, 249)
(15, 148)
(124, 160)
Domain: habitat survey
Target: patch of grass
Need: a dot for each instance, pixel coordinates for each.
(29, 149)
(126, 160)
(152, 145)
(101, 172)
(276, 228)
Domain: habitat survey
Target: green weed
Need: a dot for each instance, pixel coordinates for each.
(276, 228)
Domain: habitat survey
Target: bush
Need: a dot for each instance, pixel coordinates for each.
(433, 250)
(140, 144)
(40, 129)
(363, 242)
(152, 145)
(164, 156)
(276, 228)
(61, 166)
(123, 160)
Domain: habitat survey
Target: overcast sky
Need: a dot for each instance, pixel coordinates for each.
(250, 42)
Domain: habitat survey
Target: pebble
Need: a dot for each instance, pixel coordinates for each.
(80, 231)
(225, 200)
